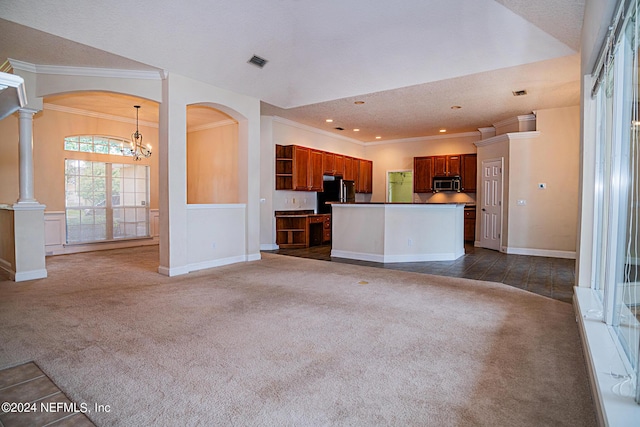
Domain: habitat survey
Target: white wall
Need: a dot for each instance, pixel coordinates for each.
(548, 221)
(389, 156)
(177, 239)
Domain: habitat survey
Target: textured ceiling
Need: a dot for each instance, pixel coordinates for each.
(409, 61)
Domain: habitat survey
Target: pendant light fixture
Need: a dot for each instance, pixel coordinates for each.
(137, 150)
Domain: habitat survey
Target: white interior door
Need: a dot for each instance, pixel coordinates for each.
(491, 209)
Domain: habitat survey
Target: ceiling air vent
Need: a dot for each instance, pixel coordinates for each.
(257, 61)
(339, 128)
(519, 92)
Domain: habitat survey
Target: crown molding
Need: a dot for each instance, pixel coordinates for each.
(516, 119)
(315, 130)
(86, 71)
(86, 113)
(507, 137)
(425, 138)
(213, 125)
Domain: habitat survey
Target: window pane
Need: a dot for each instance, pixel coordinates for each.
(71, 144)
(87, 189)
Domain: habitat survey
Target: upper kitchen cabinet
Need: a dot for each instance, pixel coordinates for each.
(364, 183)
(423, 174)
(425, 168)
(329, 163)
(284, 167)
(446, 165)
(316, 170)
(469, 172)
(298, 168)
(302, 169)
(350, 169)
(338, 162)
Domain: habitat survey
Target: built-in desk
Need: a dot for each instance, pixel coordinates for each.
(301, 229)
(397, 232)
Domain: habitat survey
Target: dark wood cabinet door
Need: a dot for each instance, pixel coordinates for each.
(469, 172)
(349, 169)
(422, 174)
(328, 163)
(439, 165)
(338, 161)
(301, 168)
(454, 165)
(315, 170)
(365, 176)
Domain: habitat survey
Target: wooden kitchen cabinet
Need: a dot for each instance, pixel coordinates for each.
(300, 168)
(338, 160)
(425, 168)
(326, 225)
(446, 165)
(316, 170)
(364, 183)
(284, 167)
(301, 229)
(350, 169)
(422, 174)
(328, 163)
(292, 231)
(470, 224)
(469, 173)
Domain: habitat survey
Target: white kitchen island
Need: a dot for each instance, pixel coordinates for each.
(397, 232)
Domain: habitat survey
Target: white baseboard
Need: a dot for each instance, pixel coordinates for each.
(540, 252)
(254, 257)
(99, 246)
(268, 247)
(23, 276)
(357, 255)
(449, 256)
(177, 271)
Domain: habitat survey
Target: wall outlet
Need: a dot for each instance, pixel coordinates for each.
(410, 242)
(213, 245)
(542, 186)
(521, 202)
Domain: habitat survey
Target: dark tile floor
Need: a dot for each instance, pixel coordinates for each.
(550, 277)
(34, 400)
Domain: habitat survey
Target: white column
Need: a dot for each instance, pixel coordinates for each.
(26, 156)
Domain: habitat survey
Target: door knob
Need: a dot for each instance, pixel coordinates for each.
(483, 209)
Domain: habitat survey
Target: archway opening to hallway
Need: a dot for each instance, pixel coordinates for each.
(96, 195)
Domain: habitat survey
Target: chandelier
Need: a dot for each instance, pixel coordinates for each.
(136, 149)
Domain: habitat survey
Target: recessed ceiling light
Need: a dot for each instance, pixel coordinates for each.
(329, 120)
(443, 130)
(356, 130)
(378, 137)
(455, 107)
(359, 102)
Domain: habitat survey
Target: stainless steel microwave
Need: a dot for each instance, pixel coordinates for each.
(446, 183)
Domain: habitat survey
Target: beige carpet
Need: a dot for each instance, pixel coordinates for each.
(290, 342)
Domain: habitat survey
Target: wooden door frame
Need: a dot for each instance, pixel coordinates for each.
(386, 195)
